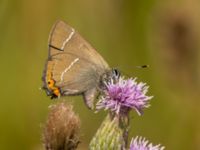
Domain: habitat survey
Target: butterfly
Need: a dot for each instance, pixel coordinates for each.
(74, 67)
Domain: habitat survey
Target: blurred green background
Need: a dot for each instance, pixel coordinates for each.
(163, 34)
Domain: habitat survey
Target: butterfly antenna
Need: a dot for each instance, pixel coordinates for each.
(143, 66)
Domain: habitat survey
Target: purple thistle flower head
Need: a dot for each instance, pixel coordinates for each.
(124, 95)
(140, 143)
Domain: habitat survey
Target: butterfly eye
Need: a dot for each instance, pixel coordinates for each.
(116, 73)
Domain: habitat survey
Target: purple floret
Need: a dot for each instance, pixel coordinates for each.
(140, 143)
(124, 95)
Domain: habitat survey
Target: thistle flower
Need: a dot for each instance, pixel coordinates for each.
(140, 143)
(61, 131)
(123, 96)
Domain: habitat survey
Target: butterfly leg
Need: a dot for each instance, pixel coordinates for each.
(89, 96)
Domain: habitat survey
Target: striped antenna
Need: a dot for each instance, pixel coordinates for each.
(143, 66)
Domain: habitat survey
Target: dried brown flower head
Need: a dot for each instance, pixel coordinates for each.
(61, 131)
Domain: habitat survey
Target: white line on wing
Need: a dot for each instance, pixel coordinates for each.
(66, 69)
(67, 39)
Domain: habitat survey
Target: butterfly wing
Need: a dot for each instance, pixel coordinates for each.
(65, 38)
(73, 65)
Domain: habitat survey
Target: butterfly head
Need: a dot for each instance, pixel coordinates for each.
(112, 75)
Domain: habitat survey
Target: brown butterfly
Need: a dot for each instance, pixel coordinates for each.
(73, 66)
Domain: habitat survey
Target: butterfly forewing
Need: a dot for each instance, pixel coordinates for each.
(65, 38)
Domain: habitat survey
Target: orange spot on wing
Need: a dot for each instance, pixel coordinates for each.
(50, 82)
